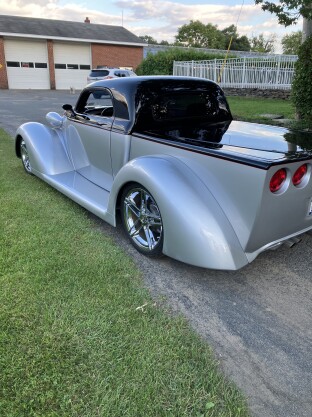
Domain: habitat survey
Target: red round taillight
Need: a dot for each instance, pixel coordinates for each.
(299, 174)
(278, 180)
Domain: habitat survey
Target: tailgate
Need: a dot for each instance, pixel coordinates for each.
(285, 212)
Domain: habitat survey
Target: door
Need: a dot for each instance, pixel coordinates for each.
(72, 65)
(27, 64)
(88, 137)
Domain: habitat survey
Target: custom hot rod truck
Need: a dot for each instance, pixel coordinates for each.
(189, 181)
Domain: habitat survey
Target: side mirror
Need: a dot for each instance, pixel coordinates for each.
(54, 119)
(69, 108)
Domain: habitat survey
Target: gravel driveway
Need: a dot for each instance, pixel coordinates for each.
(258, 319)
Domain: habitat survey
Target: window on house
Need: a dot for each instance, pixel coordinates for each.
(27, 64)
(41, 65)
(13, 64)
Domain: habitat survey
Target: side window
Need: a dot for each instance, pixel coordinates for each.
(121, 73)
(97, 102)
(99, 99)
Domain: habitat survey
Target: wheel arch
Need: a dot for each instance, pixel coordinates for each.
(45, 147)
(196, 229)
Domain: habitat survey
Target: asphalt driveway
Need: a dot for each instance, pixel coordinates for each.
(258, 319)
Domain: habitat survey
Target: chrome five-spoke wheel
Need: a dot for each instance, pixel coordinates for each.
(25, 157)
(141, 220)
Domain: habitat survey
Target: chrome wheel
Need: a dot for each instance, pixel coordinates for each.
(25, 157)
(142, 220)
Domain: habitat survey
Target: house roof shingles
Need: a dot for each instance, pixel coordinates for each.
(49, 28)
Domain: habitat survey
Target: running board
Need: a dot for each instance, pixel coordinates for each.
(85, 193)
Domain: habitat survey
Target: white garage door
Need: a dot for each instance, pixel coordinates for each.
(72, 65)
(27, 64)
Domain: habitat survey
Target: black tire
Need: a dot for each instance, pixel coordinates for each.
(25, 157)
(141, 220)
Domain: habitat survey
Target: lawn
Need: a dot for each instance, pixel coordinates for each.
(252, 108)
(73, 340)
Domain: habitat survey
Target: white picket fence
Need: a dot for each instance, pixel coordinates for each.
(274, 72)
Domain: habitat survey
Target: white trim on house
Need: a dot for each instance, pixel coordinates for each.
(23, 35)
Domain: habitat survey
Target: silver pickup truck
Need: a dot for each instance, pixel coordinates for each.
(187, 180)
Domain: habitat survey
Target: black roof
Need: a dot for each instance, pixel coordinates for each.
(48, 28)
(166, 81)
(136, 92)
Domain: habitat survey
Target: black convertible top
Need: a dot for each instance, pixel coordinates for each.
(157, 102)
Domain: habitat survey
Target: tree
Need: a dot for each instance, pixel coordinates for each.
(198, 35)
(291, 43)
(262, 44)
(239, 43)
(288, 11)
(149, 39)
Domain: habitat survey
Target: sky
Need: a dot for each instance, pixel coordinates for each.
(157, 18)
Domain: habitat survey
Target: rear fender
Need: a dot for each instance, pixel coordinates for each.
(46, 148)
(196, 230)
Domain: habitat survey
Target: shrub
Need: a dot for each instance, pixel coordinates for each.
(162, 62)
(302, 83)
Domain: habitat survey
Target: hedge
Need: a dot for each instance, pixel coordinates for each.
(162, 62)
(302, 82)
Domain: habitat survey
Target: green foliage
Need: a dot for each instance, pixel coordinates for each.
(238, 43)
(291, 43)
(302, 83)
(162, 62)
(288, 11)
(151, 41)
(198, 35)
(148, 39)
(164, 43)
(262, 44)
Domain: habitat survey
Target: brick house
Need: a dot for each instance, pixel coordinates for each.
(55, 54)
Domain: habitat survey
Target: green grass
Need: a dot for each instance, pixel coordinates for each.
(251, 108)
(72, 341)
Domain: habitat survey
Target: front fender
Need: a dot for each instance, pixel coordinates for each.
(196, 230)
(46, 148)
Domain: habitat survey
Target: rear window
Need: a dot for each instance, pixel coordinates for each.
(198, 117)
(99, 73)
(184, 107)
